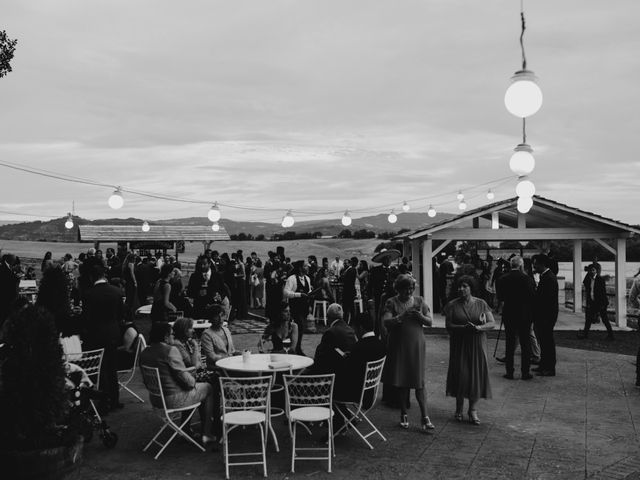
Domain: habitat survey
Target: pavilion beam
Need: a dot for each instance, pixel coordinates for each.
(606, 245)
(577, 276)
(441, 247)
(427, 272)
(621, 283)
(502, 234)
(415, 262)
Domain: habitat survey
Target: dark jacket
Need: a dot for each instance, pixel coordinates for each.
(339, 335)
(350, 381)
(599, 299)
(102, 314)
(9, 283)
(215, 285)
(349, 284)
(517, 290)
(546, 298)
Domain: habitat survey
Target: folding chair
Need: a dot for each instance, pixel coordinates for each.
(151, 379)
(245, 401)
(90, 362)
(308, 400)
(354, 411)
(126, 376)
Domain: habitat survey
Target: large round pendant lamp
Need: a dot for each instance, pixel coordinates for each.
(523, 97)
(522, 162)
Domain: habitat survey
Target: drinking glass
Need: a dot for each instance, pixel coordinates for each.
(286, 345)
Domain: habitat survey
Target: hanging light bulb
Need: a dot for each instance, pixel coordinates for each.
(69, 223)
(346, 218)
(287, 220)
(115, 200)
(490, 195)
(460, 196)
(392, 218)
(522, 162)
(145, 226)
(406, 207)
(462, 205)
(524, 204)
(214, 213)
(525, 188)
(523, 97)
(431, 212)
(215, 227)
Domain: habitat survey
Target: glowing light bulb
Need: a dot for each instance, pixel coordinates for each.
(431, 212)
(115, 200)
(392, 218)
(215, 227)
(214, 213)
(462, 205)
(490, 195)
(145, 226)
(346, 219)
(524, 204)
(523, 98)
(522, 162)
(69, 223)
(406, 207)
(525, 188)
(460, 196)
(287, 220)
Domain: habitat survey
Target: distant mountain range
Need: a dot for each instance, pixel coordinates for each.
(54, 230)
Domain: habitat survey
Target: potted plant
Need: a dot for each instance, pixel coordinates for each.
(35, 439)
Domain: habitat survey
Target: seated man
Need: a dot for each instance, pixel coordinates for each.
(178, 384)
(350, 380)
(335, 344)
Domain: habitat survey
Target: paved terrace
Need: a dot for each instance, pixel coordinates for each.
(583, 423)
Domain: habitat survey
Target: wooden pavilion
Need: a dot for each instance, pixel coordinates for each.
(547, 220)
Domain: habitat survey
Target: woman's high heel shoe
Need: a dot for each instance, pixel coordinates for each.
(458, 416)
(473, 417)
(426, 424)
(404, 421)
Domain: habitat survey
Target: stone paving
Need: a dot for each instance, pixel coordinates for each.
(583, 423)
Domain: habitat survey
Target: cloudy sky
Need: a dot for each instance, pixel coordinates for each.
(314, 105)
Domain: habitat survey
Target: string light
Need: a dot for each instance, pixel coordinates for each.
(406, 207)
(287, 220)
(525, 188)
(115, 200)
(145, 226)
(522, 162)
(462, 205)
(392, 218)
(215, 227)
(346, 218)
(431, 212)
(490, 195)
(524, 204)
(214, 213)
(69, 223)
(460, 196)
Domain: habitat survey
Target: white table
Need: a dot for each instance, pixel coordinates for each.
(198, 324)
(144, 310)
(259, 362)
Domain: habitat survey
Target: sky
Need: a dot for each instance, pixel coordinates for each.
(314, 105)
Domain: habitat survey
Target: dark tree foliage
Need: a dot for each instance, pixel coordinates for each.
(7, 48)
(346, 233)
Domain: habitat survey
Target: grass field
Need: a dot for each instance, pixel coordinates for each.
(295, 249)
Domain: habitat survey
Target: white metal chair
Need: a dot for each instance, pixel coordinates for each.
(245, 401)
(356, 411)
(320, 306)
(90, 362)
(151, 379)
(71, 347)
(126, 376)
(309, 400)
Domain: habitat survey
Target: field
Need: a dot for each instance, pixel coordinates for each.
(295, 249)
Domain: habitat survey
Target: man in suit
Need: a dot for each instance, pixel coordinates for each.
(335, 344)
(207, 287)
(597, 301)
(349, 289)
(297, 289)
(516, 291)
(545, 311)
(9, 284)
(178, 384)
(380, 284)
(103, 313)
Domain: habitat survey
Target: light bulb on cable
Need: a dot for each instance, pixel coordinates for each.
(431, 212)
(287, 220)
(524, 204)
(523, 98)
(490, 195)
(460, 196)
(522, 162)
(406, 207)
(214, 213)
(462, 205)
(346, 218)
(392, 218)
(525, 188)
(115, 200)
(145, 226)
(215, 227)
(69, 223)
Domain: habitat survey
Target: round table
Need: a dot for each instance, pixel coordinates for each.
(259, 362)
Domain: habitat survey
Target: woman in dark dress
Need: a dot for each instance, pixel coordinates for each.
(130, 286)
(467, 318)
(404, 315)
(161, 294)
(282, 329)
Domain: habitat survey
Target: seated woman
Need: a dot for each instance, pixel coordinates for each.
(216, 340)
(185, 343)
(282, 328)
(161, 295)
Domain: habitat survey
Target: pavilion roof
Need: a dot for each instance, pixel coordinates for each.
(129, 233)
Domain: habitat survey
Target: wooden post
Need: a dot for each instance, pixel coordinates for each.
(427, 272)
(621, 283)
(577, 276)
(415, 262)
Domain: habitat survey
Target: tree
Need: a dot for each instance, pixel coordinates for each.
(346, 233)
(242, 236)
(7, 47)
(260, 237)
(317, 234)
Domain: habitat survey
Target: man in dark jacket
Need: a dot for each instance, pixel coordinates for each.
(103, 313)
(545, 311)
(335, 344)
(349, 289)
(596, 294)
(9, 284)
(516, 291)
